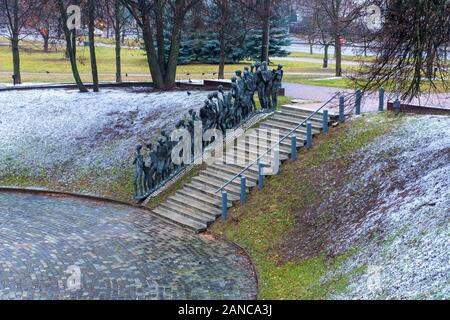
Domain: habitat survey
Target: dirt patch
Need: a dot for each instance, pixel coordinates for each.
(338, 206)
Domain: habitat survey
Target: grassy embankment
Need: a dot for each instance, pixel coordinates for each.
(263, 223)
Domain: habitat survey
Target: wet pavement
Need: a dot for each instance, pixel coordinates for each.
(69, 248)
(370, 101)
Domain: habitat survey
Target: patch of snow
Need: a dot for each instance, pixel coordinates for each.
(41, 130)
(412, 253)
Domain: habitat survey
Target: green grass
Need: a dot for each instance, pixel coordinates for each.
(320, 81)
(347, 83)
(262, 223)
(320, 56)
(39, 66)
(112, 41)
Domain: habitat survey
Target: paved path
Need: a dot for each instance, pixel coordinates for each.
(121, 252)
(315, 60)
(370, 101)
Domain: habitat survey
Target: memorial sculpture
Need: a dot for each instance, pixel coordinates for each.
(221, 110)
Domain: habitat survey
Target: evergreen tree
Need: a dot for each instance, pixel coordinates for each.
(245, 43)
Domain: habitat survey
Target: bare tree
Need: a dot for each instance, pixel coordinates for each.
(17, 14)
(91, 27)
(161, 22)
(411, 48)
(71, 44)
(324, 29)
(117, 16)
(45, 21)
(333, 17)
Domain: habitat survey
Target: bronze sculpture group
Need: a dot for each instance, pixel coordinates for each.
(222, 110)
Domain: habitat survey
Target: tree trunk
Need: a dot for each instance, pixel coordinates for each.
(74, 43)
(67, 52)
(17, 78)
(430, 62)
(91, 26)
(325, 56)
(152, 57)
(70, 40)
(338, 53)
(445, 54)
(46, 38)
(160, 35)
(222, 56)
(117, 30)
(266, 30)
(172, 62)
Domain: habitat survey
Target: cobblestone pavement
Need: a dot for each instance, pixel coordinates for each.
(68, 248)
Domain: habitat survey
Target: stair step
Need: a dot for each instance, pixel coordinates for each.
(252, 170)
(225, 177)
(216, 183)
(253, 152)
(251, 176)
(284, 129)
(203, 198)
(286, 142)
(301, 111)
(265, 144)
(194, 204)
(180, 220)
(188, 212)
(291, 122)
(298, 117)
(241, 158)
(209, 191)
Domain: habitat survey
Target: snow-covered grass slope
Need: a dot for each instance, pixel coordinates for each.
(82, 142)
(364, 214)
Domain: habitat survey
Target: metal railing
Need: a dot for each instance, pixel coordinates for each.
(239, 174)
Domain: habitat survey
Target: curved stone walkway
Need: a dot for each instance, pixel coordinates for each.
(69, 248)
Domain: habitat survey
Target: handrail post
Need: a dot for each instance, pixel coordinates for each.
(243, 190)
(397, 106)
(308, 134)
(358, 95)
(294, 147)
(381, 100)
(325, 121)
(260, 176)
(341, 109)
(224, 205)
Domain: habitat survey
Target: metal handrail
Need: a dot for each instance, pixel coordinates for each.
(276, 144)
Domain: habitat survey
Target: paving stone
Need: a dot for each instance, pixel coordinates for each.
(121, 252)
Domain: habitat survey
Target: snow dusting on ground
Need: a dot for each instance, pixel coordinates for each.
(65, 135)
(408, 254)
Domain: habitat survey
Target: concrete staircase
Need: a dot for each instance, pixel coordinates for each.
(197, 205)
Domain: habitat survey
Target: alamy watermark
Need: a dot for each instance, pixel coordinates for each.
(73, 17)
(210, 147)
(373, 18)
(73, 282)
(374, 279)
